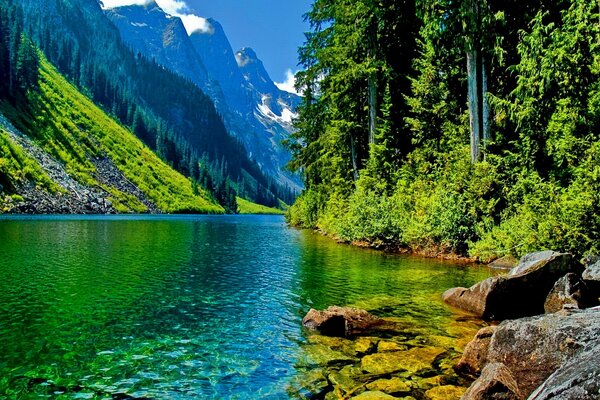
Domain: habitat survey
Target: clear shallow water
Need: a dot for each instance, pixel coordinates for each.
(187, 306)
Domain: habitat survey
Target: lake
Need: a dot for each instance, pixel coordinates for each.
(176, 307)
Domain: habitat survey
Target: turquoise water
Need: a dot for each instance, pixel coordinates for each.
(184, 307)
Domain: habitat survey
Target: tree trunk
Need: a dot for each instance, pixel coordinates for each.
(486, 105)
(474, 101)
(372, 108)
(372, 83)
(354, 161)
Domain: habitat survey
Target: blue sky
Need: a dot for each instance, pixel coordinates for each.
(274, 29)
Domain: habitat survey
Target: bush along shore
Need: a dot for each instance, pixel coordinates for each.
(540, 339)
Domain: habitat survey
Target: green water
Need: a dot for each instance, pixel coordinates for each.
(188, 307)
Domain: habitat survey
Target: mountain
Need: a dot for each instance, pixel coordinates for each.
(165, 38)
(253, 109)
(60, 153)
(170, 113)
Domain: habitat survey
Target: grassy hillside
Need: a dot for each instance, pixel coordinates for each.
(247, 207)
(74, 130)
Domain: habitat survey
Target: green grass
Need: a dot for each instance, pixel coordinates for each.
(72, 128)
(247, 207)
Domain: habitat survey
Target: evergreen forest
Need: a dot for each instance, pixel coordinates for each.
(451, 127)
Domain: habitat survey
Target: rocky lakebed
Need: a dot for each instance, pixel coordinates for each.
(530, 333)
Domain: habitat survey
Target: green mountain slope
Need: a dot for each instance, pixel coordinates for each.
(98, 154)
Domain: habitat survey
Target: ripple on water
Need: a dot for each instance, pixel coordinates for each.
(183, 307)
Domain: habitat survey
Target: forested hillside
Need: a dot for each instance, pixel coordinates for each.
(168, 113)
(467, 127)
(65, 154)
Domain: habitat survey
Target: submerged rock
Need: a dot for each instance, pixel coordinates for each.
(495, 383)
(373, 395)
(414, 361)
(475, 355)
(390, 386)
(577, 379)
(519, 294)
(447, 392)
(340, 321)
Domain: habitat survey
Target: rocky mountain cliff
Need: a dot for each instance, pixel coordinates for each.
(254, 110)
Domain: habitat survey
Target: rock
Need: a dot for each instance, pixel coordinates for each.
(590, 260)
(569, 289)
(386, 345)
(344, 382)
(373, 395)
(364, 345)
(320, 355)
(592, 272)
(506, 262)
(495, 383)
(340, 321)
(591, 276)
(311, 385)
(475, 355)
(577, 379)
(448, 392)
(390, 386)
(519, 294)
(533, 348)
(413, 361)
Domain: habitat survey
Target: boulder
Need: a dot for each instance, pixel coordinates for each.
(568, 290)
(340, 321)
(534, 348)
(519, 294)
(506, 262)
(475, 355)
(495, 383)
(591, 276)
(577, 379)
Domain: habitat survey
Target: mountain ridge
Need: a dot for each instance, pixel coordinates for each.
(254, 109)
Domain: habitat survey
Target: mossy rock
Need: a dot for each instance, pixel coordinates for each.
(387, 345)
(365, 345)
(448, 392)
(310, 384)
(390, 386)
(346, 346)
(344, 383)
(414, 361)
(373, 395)
(321, 355)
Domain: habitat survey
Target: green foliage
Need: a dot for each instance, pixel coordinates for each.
(247, 207)
(537, 186)
(72, 128)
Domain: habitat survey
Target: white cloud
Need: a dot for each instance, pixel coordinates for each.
(178, 8)
(288, 84)
(120, 3)
(195, 23)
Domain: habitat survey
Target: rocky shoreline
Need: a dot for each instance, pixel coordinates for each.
(541, 341)
(550, 330)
